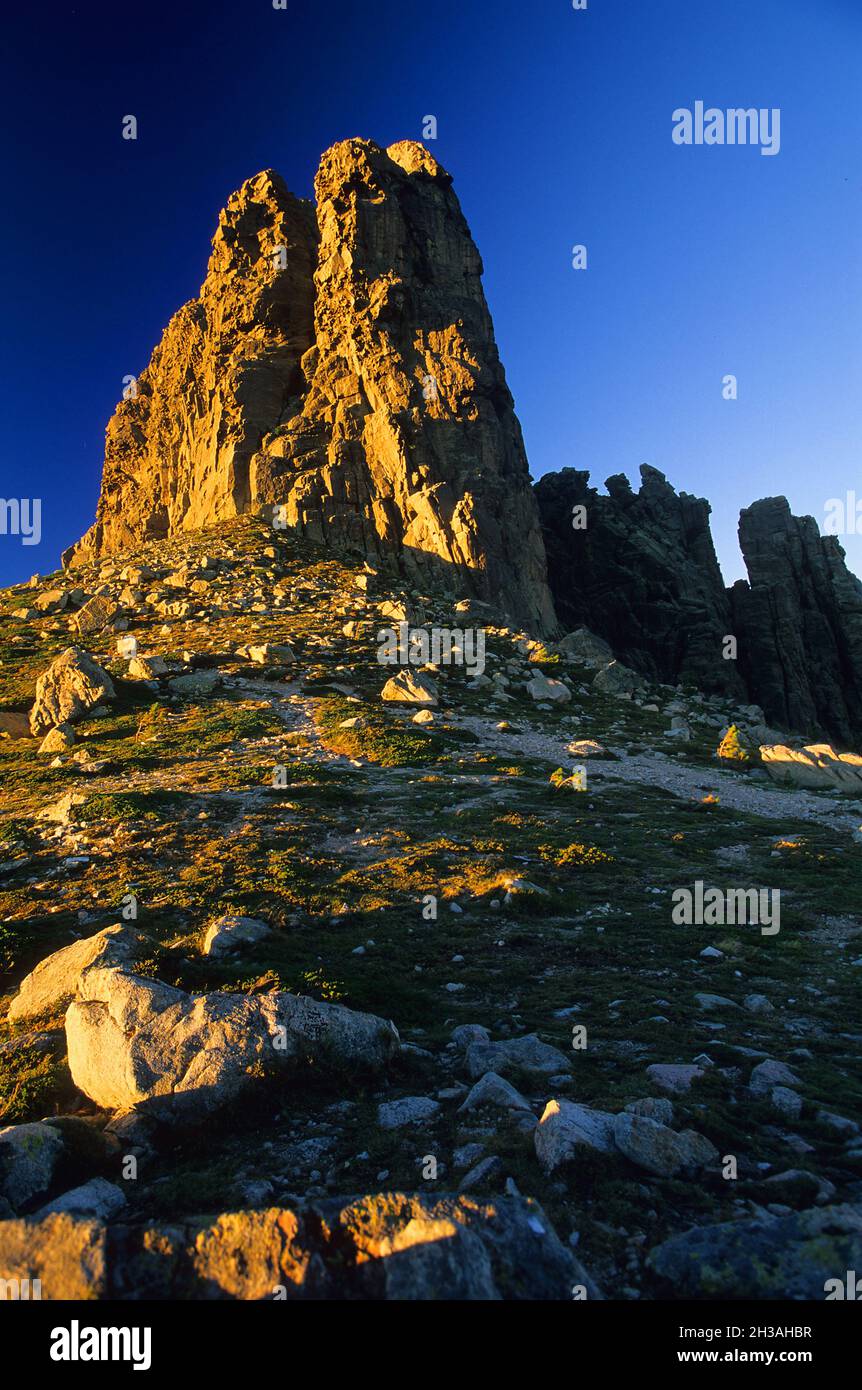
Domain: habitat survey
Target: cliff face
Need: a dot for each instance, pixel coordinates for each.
(364, 398)
(642, 573)
(799, 619)
(407, 438)
(177, 451)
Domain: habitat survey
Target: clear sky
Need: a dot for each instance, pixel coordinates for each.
(556, 124)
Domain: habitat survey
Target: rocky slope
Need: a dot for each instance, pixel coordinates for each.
(344, 373)
(327, 978)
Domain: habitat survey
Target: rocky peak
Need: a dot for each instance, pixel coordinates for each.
(799, 619)
(365, 399)
(641, 572)
(177, 450)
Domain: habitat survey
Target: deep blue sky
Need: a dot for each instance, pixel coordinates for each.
(556, 125)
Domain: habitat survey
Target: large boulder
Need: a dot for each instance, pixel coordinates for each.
(783, 1257)
(72, 686)
(528, 1054)
(567, 1130)
(54, 982)
(138, 1042)
(410, 688)
(817, 766)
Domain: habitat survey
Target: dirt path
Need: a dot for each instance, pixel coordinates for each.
(680, 780)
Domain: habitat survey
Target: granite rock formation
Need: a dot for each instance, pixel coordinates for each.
(362, 403)
(641, 573)
(177, 450)
(799, 622)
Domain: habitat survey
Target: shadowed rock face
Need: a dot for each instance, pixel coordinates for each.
(642, 574)
(365, 400)
(799, 620)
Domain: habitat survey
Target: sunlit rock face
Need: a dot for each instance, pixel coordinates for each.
(343, 371)
(177, 450)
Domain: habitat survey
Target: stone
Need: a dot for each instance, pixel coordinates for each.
(387, 1245)
(675, 1077)
(54, 982)
(541, 687)
(134, 1042)
(230, 934)
(14, 725)
(467, 1033)
(481, 1174)
(658, 1149)
(816, 766)
(770, 1257)
(495, 1092)
(146, 668)
(272, 654)
(194, 684)
(786, 1102)
(95, 616)
(654, 1108)
(58, 739)
(566, 1130)
(528, 1054)
(409, 1110)
(65, 1253)
(617, 680)
(584, 646)
(839, 1124)
(770, 1073)
(72, 686)
(410, 688)
(29, 1156)
(97, 1198)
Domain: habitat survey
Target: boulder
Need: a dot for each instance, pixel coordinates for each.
(29, 1155)
(817, 767)
(230, 934)
(70, 688)
(541, 687)
(95, 616)
(771, 1257)
(567, 1130)
(54, 981)
(410, 688)
(528, 1054)
(98, 1198)
(135, 1042)
(58, 739)
(659, 1150)
(409, 1110)
(495, 1092)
